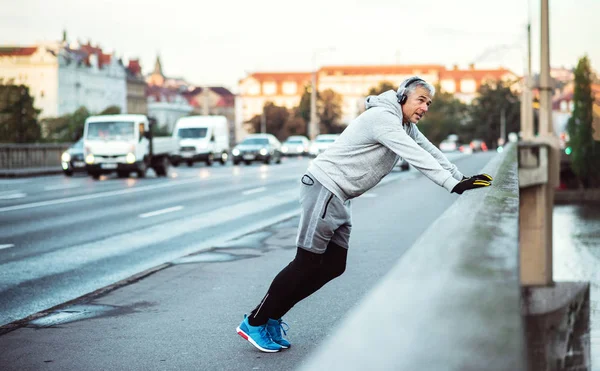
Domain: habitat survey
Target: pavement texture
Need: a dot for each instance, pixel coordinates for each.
(181, 316)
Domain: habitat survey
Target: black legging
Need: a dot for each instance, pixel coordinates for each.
(307, 273)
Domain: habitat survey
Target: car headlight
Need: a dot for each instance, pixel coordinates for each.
(284, 149)
(263, 151)
(89, 159)
(235, 152)
(66, 157)
(130, 158)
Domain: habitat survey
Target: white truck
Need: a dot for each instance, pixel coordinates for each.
(201, 138)
(124, 144)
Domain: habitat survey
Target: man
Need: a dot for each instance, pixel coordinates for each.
(365, 152)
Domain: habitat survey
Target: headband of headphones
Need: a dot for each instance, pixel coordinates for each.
(401, 94)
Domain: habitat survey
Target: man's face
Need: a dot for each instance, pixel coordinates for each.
(416, 105)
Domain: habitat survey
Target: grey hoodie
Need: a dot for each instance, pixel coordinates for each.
(370, 146)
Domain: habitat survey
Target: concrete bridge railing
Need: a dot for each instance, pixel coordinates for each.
(453, 301)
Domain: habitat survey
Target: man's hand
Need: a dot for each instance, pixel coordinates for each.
(471, 183)
(484, 176)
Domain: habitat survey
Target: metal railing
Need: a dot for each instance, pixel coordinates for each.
(453, 301)
(22, 156)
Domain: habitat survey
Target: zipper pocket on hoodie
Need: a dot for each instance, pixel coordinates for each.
(327, 205)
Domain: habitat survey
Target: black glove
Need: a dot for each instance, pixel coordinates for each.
(470, 183)
(484, 176)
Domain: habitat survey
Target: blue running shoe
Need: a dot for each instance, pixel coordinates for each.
(258, 336)
(275, 327)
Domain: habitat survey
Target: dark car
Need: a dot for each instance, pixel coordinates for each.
(257, 147)
(72, 159)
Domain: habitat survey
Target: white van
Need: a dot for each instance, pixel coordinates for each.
(201, 138)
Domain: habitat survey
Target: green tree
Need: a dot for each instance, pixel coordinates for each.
(111, 110)
(295, 125)
(330, 112)
(381, 88)
(486, 112)
(585, 156)
(446, 115)
(303, 109)
(275, 119)
(18, 117)
(66, 128)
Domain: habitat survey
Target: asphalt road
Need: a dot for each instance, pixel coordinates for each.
(63, 237)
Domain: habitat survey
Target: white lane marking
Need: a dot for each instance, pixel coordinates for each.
(6, 246)
(159, 212)
(255, 190)
(61, 186)
(120, 192)
(11, 196)
(75, 256)
(101, 195)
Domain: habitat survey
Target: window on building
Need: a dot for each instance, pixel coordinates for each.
(449, 86)
(290, 88)
(468, 86)
(269, 88)
(253, 89)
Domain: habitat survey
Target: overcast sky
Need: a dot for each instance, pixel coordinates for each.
(218, 42)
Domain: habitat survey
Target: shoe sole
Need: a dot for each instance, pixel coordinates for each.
(245, 336)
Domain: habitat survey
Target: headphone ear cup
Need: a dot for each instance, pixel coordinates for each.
(402, 96)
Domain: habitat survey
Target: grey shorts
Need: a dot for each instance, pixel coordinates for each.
(324, 217)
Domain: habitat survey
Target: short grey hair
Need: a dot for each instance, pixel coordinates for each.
(414, 84)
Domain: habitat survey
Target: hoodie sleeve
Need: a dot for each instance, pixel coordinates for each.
(436, 153)
(396, 139)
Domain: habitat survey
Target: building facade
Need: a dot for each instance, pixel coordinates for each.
(136, 89)
(284, 89)
(166, 102)
(63, 77)
(353, 84)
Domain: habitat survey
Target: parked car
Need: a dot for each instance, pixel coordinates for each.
(295, 145)
(72, 159)
(257, 147)
(321, 143)
(466, 149)
(448, 146)
(478, 145)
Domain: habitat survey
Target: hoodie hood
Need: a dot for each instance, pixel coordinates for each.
(387, 100)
